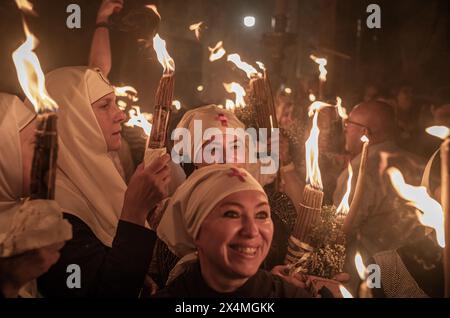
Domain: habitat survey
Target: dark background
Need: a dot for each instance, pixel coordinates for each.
(412, 45)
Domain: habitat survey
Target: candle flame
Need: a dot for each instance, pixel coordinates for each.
(322, 63)
(25, 6)
(217, 52)
(154, 9)
(30, 74)
(244, 66)
(313, 175)
(139, 119)
(261, 65)
(438, 131)
(316, 107)
(360, 267)
(200, 88)
(238, 90)
(229, 105)
(126, 91)
(345, 293)
(163, 56)
(122, 105)
(344, 206)
(288, 90)
(176, 104)
(364, 139)
(196, 27)
(432, 214)
(341, 110)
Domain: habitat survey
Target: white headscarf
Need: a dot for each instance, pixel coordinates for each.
(193, 201)
(211, 116)
(88, 184)
(14, 116)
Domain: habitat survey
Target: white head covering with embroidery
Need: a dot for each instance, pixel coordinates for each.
(211, 116)
(88, 184)
(193, 201)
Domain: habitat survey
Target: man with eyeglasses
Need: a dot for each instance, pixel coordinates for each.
(383, 221)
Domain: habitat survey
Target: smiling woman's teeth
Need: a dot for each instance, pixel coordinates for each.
(246, 250)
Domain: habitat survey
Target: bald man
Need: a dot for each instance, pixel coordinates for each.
(383, 221)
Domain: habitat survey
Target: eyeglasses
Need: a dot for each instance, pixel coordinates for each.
(348, 122)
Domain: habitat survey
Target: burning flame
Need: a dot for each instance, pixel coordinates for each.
(25, 6)
(127, 91)
(344, 206)
(163, 56)
(341, 110)
(139, 119)
(432, 214)
(122, 105)
(200, 88)
(247, 68)
(438, 131)
(312, 97)
(196, 28)
(364, 139)
(238, 90)
(31, 77)
(322, 63)
(217, 52)
(229, 104)
(313, 175)
(154, 9)
(261, 65)
(176, 104)
(288, 90)
(345, 293)
(316, 107)
(360, 267)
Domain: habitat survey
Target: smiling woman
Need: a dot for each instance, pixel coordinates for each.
(223, 235)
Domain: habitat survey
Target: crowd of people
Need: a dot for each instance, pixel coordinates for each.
(199, 229)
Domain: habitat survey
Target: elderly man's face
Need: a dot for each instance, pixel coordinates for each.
(355, 128)
(235, 237)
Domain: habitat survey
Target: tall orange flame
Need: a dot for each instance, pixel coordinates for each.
(217, 52)
(196, 27)
(30, 75)
(176, 104)
(25, 6)
(438, 131)
(432, 214)
(229, 105)
(163, 56)
(154, 9)
(244, 66)
(360, 267)
(344, 206)
(139, 119)
(313, 176)
(341, 110)
(345, 293)
(322, 63)
(127, 91)
(238, 90)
